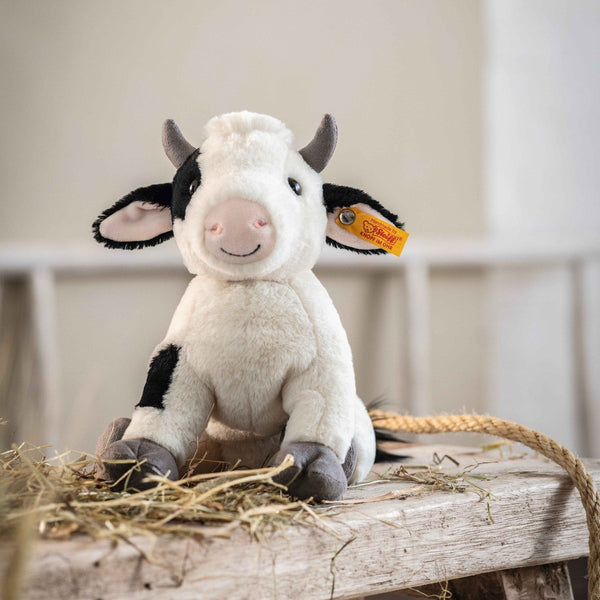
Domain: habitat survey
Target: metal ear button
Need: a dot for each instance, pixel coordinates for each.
(347, 216)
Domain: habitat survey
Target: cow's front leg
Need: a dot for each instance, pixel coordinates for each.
(318, 433)
(166, 424)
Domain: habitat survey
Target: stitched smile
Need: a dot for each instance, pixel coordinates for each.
(241, 255)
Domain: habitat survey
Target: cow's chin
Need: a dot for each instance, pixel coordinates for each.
(259, 264)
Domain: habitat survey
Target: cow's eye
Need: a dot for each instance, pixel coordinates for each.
(296, 188)
(194, 186)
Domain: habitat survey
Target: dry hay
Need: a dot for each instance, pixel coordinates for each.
(60, 497)
(436, 479)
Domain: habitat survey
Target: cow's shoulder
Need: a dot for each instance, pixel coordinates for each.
(327, 326)
(315, 298)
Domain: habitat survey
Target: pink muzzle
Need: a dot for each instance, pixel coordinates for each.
(239, 231)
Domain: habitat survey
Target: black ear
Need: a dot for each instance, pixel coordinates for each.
(140, 219)
(338, 197)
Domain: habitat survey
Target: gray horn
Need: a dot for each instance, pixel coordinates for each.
(320, 149)
(177, 148)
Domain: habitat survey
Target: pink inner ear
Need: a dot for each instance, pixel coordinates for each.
(340, 235)
(137, 222)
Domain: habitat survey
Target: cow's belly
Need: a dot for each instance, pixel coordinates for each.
(247, 339)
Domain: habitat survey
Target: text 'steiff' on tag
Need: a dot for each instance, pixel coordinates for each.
(373, 230)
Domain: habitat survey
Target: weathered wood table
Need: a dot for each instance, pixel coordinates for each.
(516, 511)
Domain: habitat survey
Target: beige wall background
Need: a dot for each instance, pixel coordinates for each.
(86, 86)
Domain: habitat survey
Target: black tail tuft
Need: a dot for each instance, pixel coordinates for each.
(387, 440)
(388, 443)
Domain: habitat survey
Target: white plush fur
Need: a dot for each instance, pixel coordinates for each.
(262, 346)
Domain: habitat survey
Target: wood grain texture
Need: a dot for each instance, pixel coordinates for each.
(534, 517)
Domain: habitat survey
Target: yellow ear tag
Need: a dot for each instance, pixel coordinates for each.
(373, 230)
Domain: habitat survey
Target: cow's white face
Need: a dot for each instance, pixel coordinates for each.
(257, 210)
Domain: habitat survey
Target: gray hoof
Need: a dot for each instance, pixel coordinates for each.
(316, 471)
(350, 463)
(119, 463)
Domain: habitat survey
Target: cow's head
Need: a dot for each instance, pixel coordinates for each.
(245, 204)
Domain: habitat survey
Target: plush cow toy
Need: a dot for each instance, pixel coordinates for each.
(255, 363)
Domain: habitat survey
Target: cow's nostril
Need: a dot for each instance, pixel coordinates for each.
(259, 223)
(217, 229)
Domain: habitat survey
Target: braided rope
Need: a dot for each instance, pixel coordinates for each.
(533, 439)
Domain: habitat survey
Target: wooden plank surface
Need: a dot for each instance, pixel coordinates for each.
(410, 537)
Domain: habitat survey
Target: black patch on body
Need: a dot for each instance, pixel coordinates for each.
(185, 176)
(339, 196)
(160, 375)
(158, 194)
